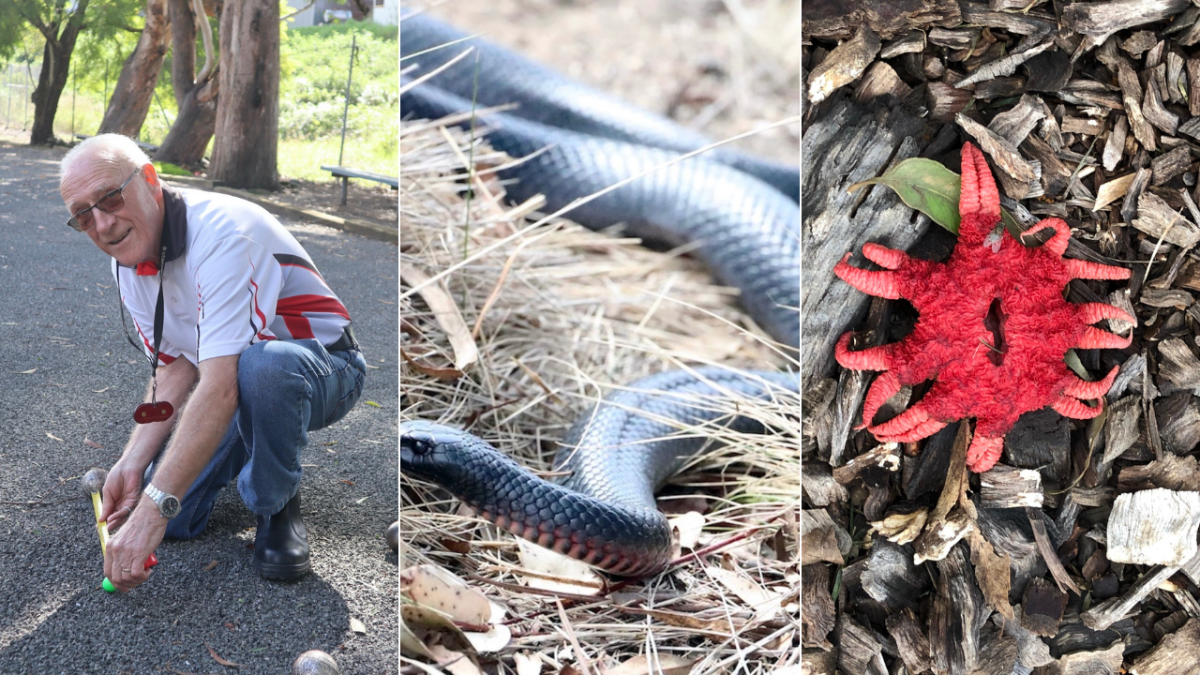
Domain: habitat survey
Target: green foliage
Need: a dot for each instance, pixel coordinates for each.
(330, 29)
(314, 67)
(169, 169)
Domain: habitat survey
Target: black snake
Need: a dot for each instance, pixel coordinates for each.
(739, 212)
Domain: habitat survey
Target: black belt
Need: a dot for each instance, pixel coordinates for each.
(344, 343)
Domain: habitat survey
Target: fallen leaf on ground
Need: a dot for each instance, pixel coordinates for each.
(54, 437)
(436, 588)
(218, 659)
(766, 604)
(211, 566)
(27, 372)
(373, 403)
(358, 626)
(92, 444)
(99, 391)
(666, 664)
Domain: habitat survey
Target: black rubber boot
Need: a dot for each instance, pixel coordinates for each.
(281, 544)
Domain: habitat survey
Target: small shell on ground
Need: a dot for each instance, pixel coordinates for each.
(315, 662)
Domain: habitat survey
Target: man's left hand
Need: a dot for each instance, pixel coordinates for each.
(129, 548)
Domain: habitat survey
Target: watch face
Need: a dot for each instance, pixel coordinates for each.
(169, 507)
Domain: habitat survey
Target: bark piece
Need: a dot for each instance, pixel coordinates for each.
(1154, 527)
(860, 651)
(885, 456)
(1114, 146)
(1014, 125)
(880, 80)
(1112, 190)
(1020, 23)
(818, 538)
(1040, 440)
(1179, 429)
(1193, 74)
(957, 616)
(1007, 158)
(1139, 43)
(1157, 219)
(1179, 366)
(1141, 180)
(911, 641)
(891, 578)
(1110, 611)
(946, 101)
(1172, 472)
(911, 43)
(1031, 650)
(1174, 655)
(993, 574)
(1100, 20)
(1166, 298)
(1132, 96)
(818, 487)
(1056, 176)
(1121, 427)
(1003, 66)
(1176, 80)
(888, 18)
(844, 64)
(1105, 661)
(957, 38)
(1192, 126)
(1042, 607)
(1085, 126)
(819, 616)
(1049, 71)
(1170, 165)
(1007, 487)
(814, 662)
(1155, 113)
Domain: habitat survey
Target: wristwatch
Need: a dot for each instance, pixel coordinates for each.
(168, 505)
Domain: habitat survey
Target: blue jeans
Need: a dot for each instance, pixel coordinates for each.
(285, 390)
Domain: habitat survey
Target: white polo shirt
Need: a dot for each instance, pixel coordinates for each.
(234, 276)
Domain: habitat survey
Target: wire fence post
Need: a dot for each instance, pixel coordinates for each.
(346, 110)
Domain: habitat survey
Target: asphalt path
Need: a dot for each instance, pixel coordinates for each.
(69, 382)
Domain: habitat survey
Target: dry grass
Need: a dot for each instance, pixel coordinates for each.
(561, 315)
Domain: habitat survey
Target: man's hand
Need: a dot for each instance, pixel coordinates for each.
(122, 492)
(129, 548)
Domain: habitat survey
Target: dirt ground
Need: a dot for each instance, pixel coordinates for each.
(722, 68)
(365, 200)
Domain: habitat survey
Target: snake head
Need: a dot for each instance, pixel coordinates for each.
(429, 450)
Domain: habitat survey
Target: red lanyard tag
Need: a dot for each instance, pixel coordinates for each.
(153, 412)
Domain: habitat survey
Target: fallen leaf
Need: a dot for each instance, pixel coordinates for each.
(218, 659)
(359, 501)
(667, 664)
(447, 314)
(54, 437)
(92, 444)
(357, 626)
(433, 587)
(27, 372)
(765, 603)
(99, 391)
(373, 403)
(211, 566)
(350, 483)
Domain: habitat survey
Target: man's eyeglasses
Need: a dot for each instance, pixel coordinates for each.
(110, 203)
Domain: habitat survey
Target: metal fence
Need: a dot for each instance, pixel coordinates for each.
(16, 106)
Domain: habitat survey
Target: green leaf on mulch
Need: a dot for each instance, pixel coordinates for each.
(930, 188)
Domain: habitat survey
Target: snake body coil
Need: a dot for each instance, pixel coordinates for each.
(738, 213)
(616, 456)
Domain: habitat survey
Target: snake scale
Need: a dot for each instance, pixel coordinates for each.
(738, 212)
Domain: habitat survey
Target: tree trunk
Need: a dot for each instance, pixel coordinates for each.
(247, 127)
(56, 61)
(135, 87)
(193, 128)
(183, 48)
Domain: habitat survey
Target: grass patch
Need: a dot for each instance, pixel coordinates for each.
(299, 158)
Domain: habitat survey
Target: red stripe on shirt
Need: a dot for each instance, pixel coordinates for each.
(166, 359)
(296, 305)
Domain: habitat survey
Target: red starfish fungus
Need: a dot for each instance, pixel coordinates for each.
(993, 377)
